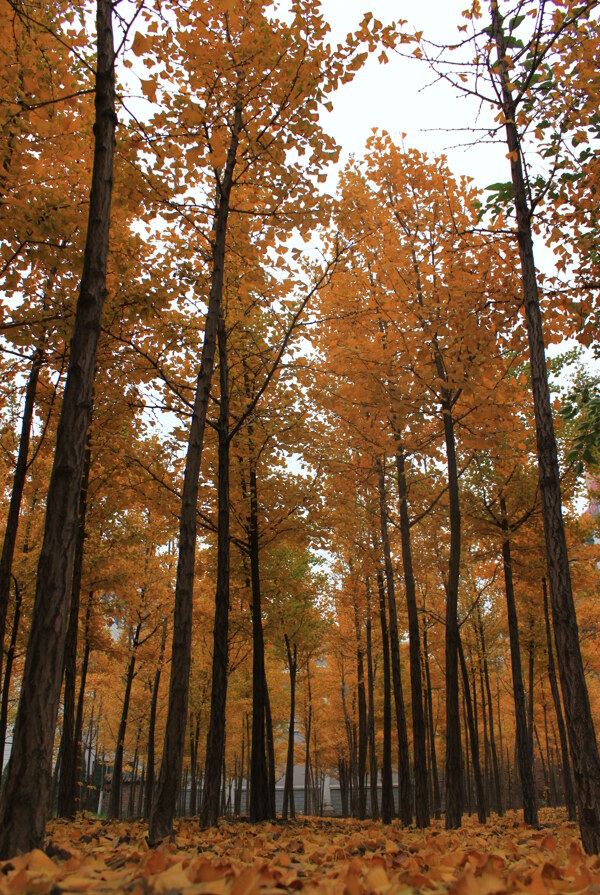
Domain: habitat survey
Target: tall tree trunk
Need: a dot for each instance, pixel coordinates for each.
(580, 724)
(404, 787)
(78, 731)
(67, 788)
(562, 733)
(270, 743)
(473, 737)
(114, 803)
(496, 769)
(524, 754)
(362, 721)
(259, 783)
(307, 766)
(288, 788)
(10, 657)
(215, 743)
(434, 767)
(161, 821)
(16, 495)
(416, 688)
(149, 782)
(25, 795)
(453, 801)
(387, 791)
(371, 708)
(531, 653)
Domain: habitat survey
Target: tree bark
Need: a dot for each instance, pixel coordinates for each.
(434, 768)
(453, 763)
(524, 754)
(259, 783)
(404, 786)
(78, 731)
(473, 737)
(288, 788)
(497, 787)
(25, 795)
(67, 787)
(580, 725)
(150, 777)
(10, 657)
(215, 743)
(562, 733)
(362, 721)
(114, 803)
(16, 495)
(416, 688)
(270, 743)
(387, 792)
(371, 714)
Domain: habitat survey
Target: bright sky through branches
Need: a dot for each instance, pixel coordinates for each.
(396, 97)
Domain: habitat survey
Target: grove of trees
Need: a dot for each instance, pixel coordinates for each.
(288, 477)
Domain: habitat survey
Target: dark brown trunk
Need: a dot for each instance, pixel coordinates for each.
(270, 743)
(404, 784)
(67, 788)
(78, 732)
(562, 733)
(437, 811)
(10, 657)
(530, 651)
(288, 790)
(307, 799)
(149, 783)
(16, 496)
(161, 822)
(474, 739)
(194, 742)
(524, 754)
(387, 792)
(215, 742)
(371, 715)
(259, 783)
(453, 802)
(580, 725)
(496, 768)
(362, 721)
(25, 796)
(114, 803)
(416, 688)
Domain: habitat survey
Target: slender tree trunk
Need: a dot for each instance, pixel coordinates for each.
(307, 766)
(453, 802)
(497, 787)
(10, 657)
(562, 733)
(270, 743)
(434, 767)
(288, 789)
(473, 737)
(416, 688)
(530, 651)
(259, 783)
(161, 822)
(16, 496)
(25, 795)
(404, 787)
(78, 732)
(524, 755)
(131, 800)
(371, 715)
(387, 792)
(215, 743)
(580, 725)
(149, 784)
(67, 788)
(194, 742)
(362, 721)
(114, 804)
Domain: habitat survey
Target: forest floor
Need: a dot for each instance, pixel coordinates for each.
(313, 857)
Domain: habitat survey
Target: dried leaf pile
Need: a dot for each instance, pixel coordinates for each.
(310, 857)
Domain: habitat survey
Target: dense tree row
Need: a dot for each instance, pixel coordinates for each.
(266, 506)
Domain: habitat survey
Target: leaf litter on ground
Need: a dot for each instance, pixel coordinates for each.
(312, 857)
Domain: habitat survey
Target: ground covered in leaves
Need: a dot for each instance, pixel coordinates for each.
(314, 857)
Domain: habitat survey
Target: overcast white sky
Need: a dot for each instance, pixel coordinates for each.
(395, 96)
